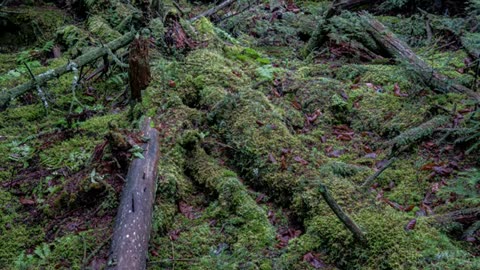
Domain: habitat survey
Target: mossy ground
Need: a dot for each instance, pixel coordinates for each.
(247, 130)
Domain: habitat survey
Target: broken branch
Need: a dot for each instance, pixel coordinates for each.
(80, 61)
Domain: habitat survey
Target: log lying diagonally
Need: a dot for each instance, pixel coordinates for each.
(134, 218)
(213, 10)
(80, 61)
(437, 81)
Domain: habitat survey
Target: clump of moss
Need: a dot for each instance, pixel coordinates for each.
(100, 27)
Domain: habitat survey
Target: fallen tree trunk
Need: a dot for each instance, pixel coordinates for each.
(134, 218)
(213, 10)
(80, 61)
(399, 49)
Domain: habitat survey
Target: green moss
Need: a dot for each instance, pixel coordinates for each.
(389, 245)
(73, 153)
(15, 235)
(384, 113)
(100, 27)
(99, 125)
(67, 251)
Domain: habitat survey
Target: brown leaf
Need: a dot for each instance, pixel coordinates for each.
(411, 225)
(25, 201)
(367, 149)
(301, 160)
(186, 210)
(428, 167)
(311, 118)
(296, 105)
(396, 91)
(174, 234)
(260, 123)
(336, 153)
(314, 261)
(283, 163)
(409, 208)
(272, 158)
(393, 204)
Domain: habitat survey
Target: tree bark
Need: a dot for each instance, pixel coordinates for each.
(134, 218)
(139, 67)
(80, 61)
(399, 49)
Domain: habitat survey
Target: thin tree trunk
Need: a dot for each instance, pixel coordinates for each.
(80, 61)
(134, 218)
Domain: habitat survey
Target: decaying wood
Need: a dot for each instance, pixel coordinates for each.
(344, 218)
(134, 218)
(399, 49)
(139, 67)
(213, 10)
(80, 61)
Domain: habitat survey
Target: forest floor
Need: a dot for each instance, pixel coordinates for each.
(249, 126)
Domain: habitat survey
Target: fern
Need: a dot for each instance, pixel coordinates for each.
(466, 187)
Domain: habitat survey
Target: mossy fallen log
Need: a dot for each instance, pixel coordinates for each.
(438, 82)
(134, 218)
(78, 62)
(213, 10)
(256, 232)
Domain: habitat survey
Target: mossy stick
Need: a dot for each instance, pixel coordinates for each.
(374, 176)
(344, 218)
(80, 61)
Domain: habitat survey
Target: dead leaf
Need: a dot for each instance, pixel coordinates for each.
(396, 91)
(25, 201)
(296, 105)
(314, 261)
(411, 225)
(283, 163)
(272, 158)
(301, 160)
(186, 210)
